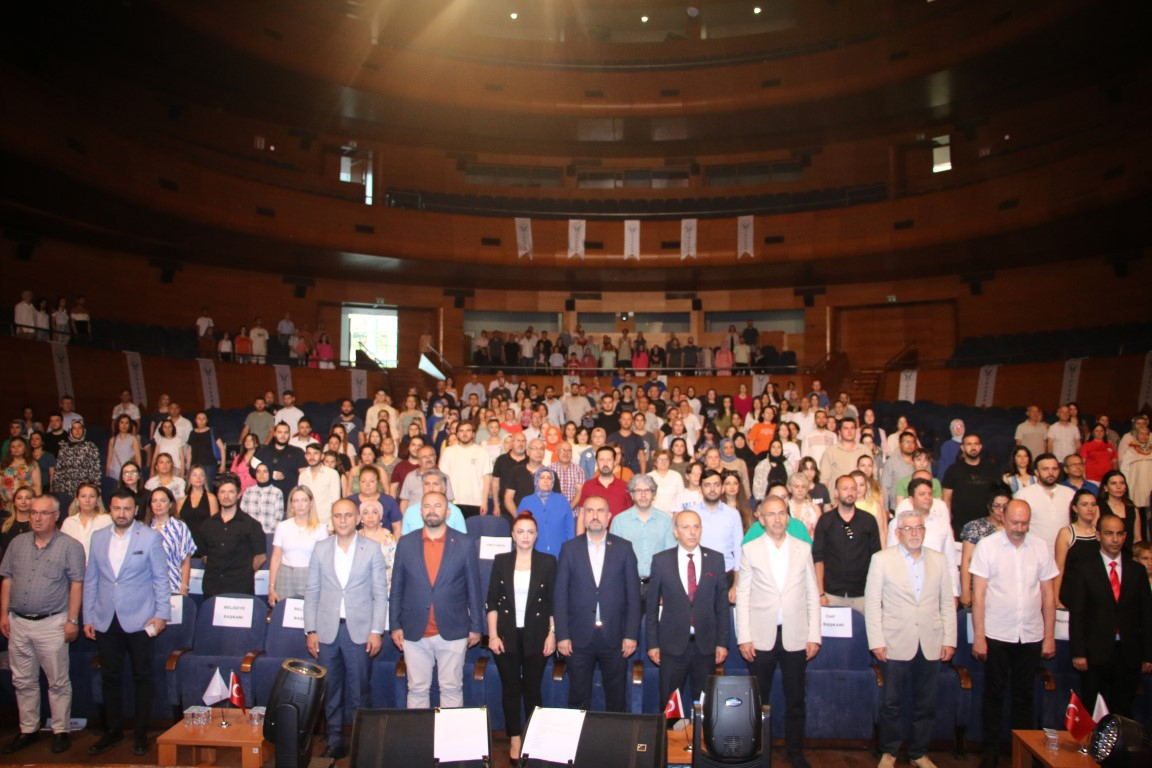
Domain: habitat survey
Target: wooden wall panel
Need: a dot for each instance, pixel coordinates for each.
(873, 335)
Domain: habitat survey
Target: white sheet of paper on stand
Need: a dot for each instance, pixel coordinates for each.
(553, 735)
(460, 734)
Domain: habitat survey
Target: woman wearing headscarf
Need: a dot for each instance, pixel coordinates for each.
(730, 461)
(77, 462)
(553, 514)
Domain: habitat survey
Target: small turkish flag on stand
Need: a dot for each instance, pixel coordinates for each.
(236, 695)
(1077, 719)
(674, 709)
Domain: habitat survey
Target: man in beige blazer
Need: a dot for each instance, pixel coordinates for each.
(778, 616)
(910, 614)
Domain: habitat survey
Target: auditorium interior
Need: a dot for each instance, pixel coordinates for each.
(942, 187)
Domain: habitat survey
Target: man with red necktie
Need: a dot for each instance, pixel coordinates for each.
(1110, 621)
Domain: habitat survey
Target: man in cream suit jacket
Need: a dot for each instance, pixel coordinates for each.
(910, 614)
(778, 616)
(345, 614)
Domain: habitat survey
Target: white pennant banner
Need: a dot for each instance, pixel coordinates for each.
(63, 369)
(1145, 398)
(1071, 383)
(760, 383)
(632, 239)
(907, 386)
(136, 378)
(283, 379)
(359, 384)
(524, 238)
(986, 386)
(576, 238)
(208, 382)
(688, 238)
(745, 235)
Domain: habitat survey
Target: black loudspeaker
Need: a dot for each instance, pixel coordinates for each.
(459, 302)
(697, 305)
(300, 291)
(400, 737)
(570, 305)
(732, 717)
(294, 706)
(611, 739)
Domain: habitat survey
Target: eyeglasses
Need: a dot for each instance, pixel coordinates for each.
(912, 529)
(999, 506)
(131, 471)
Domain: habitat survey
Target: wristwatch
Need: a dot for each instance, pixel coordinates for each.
(310, 632)
(73, 622)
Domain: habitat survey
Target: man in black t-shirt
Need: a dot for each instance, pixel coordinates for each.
(504, 469)
(232, 544)
(966, 483)
(633, 454)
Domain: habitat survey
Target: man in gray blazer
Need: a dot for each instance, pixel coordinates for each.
(345, 609)
(126, 605)
(911, 619)
(778, 616)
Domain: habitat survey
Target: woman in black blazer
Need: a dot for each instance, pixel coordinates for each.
(521, 633)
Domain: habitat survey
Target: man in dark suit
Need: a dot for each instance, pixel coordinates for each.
(597, 608)
(435, 608)
(691, 633)
(1110, 620)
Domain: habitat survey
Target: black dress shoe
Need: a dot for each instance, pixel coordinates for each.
(61, 742)
(18, 743)
(140, 745)
(106, 741)
(335, 752)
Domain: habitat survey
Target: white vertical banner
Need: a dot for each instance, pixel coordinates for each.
(760, 383)
(1145, 383)
(576, 238)
(1071, 384)
(688, 238)
(524, 238)
(986, 386)
(632, 239)
(359, 384)
(208, 382)
(907, 386)
(136, 378)
(571, 382)
(745, 237)
(62, 368)
(283, 379)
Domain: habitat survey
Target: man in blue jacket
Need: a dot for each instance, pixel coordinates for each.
(435, 607)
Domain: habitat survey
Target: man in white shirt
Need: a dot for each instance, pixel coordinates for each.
(805, 418)
(382, 403)
(841, 458)
(1032, 433)
(469, 467)
(125, 408)
(819, 439)
(1013, 620)
(288, 412)
(576, 404)
(323, 481)
(937, 535)
(474, 387)
(1048, 500)
(25, 316)
(1063, 436)
(204, 323)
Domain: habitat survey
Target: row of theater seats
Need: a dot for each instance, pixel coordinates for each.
(650, 209)
(996, 425)
(1102, 341)
(844, 684)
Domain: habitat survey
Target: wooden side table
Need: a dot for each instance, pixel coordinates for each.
(208, 741)
(1029, 744)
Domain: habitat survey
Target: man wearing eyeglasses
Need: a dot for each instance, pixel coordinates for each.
(937, 525)
(843, 543)
(43, 572)
(911, 620)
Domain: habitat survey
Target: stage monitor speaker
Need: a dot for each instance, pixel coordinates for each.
(732, 717)
(294, 706)
(401, 738)
(570, 305)
(697, 305)
(611, 739)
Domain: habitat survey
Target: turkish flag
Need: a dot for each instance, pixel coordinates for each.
(236, 693)
(1077, 719)
(674, 709)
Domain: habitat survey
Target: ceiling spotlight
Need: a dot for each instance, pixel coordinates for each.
(693, 11)
(514, 15)
(644, 19)
(757, 9)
